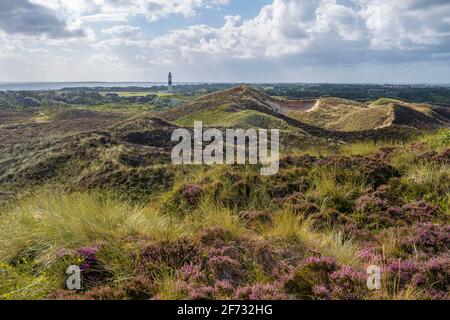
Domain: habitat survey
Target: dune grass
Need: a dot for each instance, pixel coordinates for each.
(37, 228)
(365, 148)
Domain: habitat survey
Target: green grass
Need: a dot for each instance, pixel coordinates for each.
(366, 119)
(384, 101)
(363, 148)
(436, 141)
(37, 227)
(297, 230)
(131, 94)
(224, 117)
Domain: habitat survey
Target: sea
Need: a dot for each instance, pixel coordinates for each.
(39, 86)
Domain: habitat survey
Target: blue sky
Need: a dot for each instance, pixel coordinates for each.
(210, 16)
(247, 9)
(354, 41)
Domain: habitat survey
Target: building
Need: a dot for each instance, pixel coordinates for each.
(170, 82)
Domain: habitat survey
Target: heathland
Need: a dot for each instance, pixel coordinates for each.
(86, 179)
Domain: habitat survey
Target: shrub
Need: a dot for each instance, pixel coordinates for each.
(171, 254)
(254, 218)
(375, 201)
(405, 272)
(211, 235)
(89, 256)
(418, 211)
(191, 194)
(438, 273)
(428, 238)
(225, 268)
(261, 292)
(348, 284)
(315, 271)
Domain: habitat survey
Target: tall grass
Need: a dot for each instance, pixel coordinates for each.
(363, 148)
(438, 140)
(334, 188)
(38, 226)
(49, 221)
(292, 228)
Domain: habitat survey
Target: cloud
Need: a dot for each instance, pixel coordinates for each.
(282, 38)
(122, 31)
(28, 18)
(155, 10)
(323, 28)
(406, 24)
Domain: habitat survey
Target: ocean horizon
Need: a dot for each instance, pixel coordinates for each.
(44, 86)
(36, 86)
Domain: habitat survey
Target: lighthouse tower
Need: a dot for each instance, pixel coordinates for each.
(170, 82)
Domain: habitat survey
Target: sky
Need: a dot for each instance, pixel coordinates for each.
(351, 41)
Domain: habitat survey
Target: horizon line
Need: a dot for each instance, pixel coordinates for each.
(228, 82)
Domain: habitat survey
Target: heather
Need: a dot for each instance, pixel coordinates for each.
(225, 232)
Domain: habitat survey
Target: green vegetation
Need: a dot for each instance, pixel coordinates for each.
(349, 116)
(228, 116)
(100, 192)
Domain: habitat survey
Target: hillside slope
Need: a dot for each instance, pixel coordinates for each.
(127, 157)
(329, 118)
(239, 98)
(350, 116)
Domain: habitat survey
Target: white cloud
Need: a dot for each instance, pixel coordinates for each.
(122, 31)
(285, 34)
(152, 9)
(325, 28)
(405, 24)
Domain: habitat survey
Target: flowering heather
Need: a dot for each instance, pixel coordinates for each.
(432, 276)
(442, 157)
(191, 193)
(321, 293)
(284, 271)
(270, 258)
(314, 271)
(191, 273)
(428, 238)
(418, 211)
(234, 250)
(380, 209)
(438, 272)
(368, 253)
(61, 294)
(374, 170)
(215, 235)
(348, 284)
(224, 287)
(375, 201)
(138, 288)
(93, 271)
(322, 264)
(225, 268)
(406, 272)
(260, 292)
(89, 256)
(173, 254)
(202, 293)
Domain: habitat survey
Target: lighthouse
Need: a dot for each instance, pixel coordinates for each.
(170, 82)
